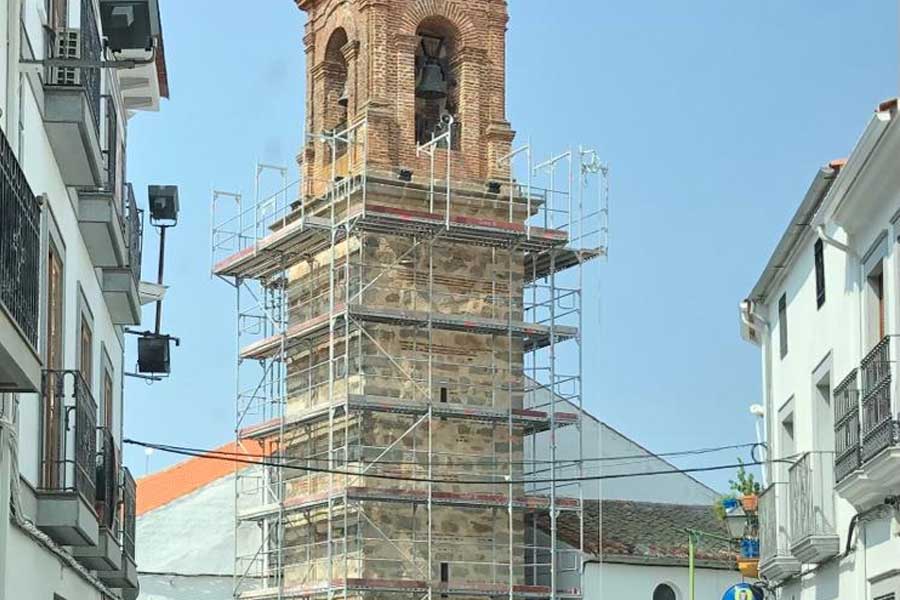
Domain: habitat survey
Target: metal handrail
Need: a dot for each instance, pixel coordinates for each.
(847, 432)
(812, 496)
(107, 501)
(134, 231)
(879, 427)
(73, 468)
(129, 512)
(20, 240)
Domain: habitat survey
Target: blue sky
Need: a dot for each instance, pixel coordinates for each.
(713, 116)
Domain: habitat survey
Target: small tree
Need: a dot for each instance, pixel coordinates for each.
(745, 484)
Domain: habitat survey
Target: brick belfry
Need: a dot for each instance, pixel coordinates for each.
(404, 265)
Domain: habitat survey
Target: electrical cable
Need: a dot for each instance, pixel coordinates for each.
(211, 455)
(632, 458)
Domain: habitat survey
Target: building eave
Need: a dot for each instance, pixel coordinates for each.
(799, 225)
(836, 206)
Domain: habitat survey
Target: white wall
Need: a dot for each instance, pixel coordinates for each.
(636, 582)
(34, 573)
(193, 534)
(172, 587)
(600, 440)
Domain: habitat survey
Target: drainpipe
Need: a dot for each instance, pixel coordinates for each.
(754, 321)
(5, 476)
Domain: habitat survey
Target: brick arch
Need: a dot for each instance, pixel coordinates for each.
(337, 16)
(449, 10)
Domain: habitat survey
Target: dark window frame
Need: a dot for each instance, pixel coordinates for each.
(819, 261)
(782, 325)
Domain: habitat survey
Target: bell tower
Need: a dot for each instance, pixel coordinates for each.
(409, 68)
(406, 319)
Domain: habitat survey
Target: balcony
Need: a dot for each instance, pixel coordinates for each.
(776, 562)
(20, 257)
(121, 283)
(68, 490)
(814, 538)
(125, 576)
(878, 471)
(847, 458)
(72, 104)
(107, 554)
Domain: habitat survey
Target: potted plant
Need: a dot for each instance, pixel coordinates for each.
(746, 488)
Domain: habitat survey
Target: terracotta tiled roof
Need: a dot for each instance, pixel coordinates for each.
(646, 532)
(159, 489)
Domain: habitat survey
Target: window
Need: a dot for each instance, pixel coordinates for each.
(819, 254)
(876, 285)
(51, 445)
(664, 591)
(86, 363)
(107, 400)
(782, 324)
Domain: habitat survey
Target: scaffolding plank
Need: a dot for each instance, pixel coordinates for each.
(533, 421)
(407, 496)
(465, 588)
(539, 265)
(534, 335)
(297, 238)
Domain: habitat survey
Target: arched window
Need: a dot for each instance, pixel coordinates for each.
(664, 591)
(336, 92)
(437, 86)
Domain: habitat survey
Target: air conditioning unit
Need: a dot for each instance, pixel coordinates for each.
(68, 46)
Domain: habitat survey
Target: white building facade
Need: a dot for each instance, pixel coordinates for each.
(825, 314)
(70, 266)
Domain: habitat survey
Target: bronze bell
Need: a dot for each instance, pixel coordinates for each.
(344, 99)
(433, 85)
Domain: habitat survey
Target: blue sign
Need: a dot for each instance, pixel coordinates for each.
(743, 591)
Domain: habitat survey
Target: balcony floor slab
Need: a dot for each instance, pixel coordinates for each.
(105, 556)
(779, 568)
(814, 549)
(67, 519)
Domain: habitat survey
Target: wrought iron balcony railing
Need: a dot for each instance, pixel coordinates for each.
(20, 241)
(112, 146)
(69, 460)
(846, 428)
(812, 497)
(771, 543)
(134, 231)
(879, 428)
(129, 512)
(107, 499)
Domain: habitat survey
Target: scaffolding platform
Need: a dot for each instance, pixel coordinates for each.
(411, 586)
(407, 496)
(301, 237)
(534, 335)
(540, 265)
(532, 421)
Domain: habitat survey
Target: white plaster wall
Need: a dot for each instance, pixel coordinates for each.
(194, 534)
(636, 582)
(34, 574)
(600, 440)
(173, 587)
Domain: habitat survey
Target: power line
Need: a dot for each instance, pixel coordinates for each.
(211, 455)
(632, 458)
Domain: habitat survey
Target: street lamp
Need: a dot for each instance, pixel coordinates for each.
(735, 519)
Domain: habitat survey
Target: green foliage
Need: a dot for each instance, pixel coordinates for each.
(745, 484)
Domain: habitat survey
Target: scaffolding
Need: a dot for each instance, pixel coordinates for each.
(398, 338)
